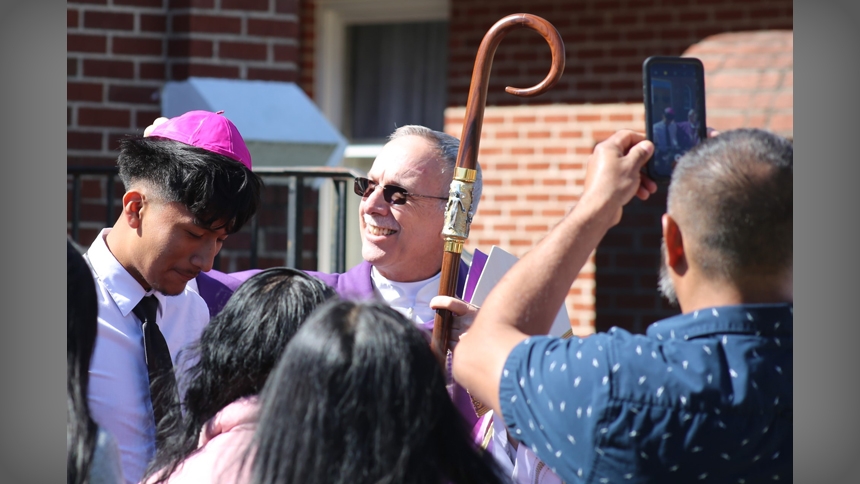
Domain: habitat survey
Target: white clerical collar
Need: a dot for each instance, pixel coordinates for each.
(410, 298)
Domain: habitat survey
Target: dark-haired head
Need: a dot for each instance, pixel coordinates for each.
(218, 191)
(180, 204)
(358, 397)
(236, 352)
(732, 197)
(81, 328)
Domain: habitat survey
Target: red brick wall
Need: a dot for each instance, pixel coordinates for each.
(606, 42)
(749, 79)
(121, 53)
(116, 65)
(533, 161)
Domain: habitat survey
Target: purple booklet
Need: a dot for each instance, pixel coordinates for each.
(478, 260)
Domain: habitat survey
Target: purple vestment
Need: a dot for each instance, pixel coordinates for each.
(216, 288)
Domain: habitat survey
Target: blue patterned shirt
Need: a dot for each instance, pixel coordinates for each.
(702, 397)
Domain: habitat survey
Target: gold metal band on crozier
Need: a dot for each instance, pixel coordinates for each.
(454, 245)
(467, 175)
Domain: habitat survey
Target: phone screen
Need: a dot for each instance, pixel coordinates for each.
(674, 109)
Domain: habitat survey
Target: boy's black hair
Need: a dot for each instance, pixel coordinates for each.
(219, 191)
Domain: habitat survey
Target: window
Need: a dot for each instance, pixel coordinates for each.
(398, 75)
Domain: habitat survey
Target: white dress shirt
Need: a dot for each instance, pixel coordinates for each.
(119, 382)
(410, 298)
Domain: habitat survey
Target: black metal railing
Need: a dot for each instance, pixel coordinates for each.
(296, 178)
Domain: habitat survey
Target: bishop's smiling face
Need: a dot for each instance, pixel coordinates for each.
(404, 242)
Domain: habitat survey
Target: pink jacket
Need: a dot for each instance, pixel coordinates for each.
(222, 445)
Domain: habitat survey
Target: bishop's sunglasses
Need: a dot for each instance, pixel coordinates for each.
(392, 194)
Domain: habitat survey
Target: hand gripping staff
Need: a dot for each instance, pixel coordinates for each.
(458, 212)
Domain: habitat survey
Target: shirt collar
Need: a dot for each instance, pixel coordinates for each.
(122, 286)
(758, 319)
(402, 289)
(410, 298)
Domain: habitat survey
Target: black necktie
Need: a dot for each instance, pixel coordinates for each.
(162, 380)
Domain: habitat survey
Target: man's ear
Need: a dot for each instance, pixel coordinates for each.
(132, 204)
(676, 256)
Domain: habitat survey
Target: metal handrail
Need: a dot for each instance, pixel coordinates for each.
(295, 176)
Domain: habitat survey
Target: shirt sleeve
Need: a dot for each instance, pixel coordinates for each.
(553, 393)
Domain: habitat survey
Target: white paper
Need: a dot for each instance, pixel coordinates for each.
(498, 263)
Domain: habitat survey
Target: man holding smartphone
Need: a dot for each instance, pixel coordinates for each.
(703, 396)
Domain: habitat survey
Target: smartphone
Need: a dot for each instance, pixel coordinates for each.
(674, 92)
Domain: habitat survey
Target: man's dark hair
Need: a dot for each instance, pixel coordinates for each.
(235, 354)
(733, 196)
(214, 188)
(358, 397)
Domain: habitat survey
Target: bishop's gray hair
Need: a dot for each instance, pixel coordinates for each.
(446, 146)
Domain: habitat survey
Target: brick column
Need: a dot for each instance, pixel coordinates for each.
(307, 31)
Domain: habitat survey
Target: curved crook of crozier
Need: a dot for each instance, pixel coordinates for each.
(458, 216)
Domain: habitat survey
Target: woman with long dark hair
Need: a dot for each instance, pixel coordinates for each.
(358, 397)
(206, 441)
(92, 455)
